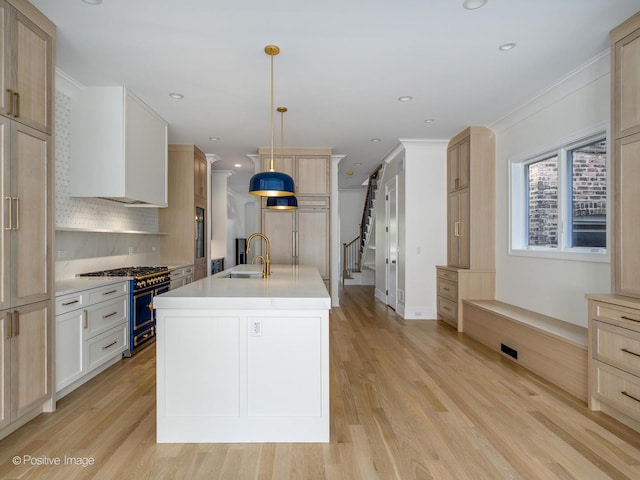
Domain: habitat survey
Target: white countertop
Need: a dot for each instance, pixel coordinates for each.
(288, 287)
(77, 284)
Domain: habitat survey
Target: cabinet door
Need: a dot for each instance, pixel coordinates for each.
(452, 229)
(452, 168)
(69, 348)
(312, 247)
(5, 54)
(313, 175)
(30, 242)
(5, 220)
(464, 229)
(5, 370)
(30, 358)
(282, 163)
(464, 157)
(626, 214)
(627, 85)
(278, 226)
(33, 85)
(200, 171)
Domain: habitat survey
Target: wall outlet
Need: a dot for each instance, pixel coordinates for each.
(131, 250)
(62, 254)
(256, 328)
(401, 296)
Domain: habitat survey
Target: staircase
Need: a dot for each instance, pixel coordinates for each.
(355, 268)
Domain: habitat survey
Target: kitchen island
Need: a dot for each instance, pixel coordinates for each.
(244, 359)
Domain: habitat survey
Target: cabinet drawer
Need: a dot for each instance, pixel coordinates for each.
(110, 291)
(617, 346)
(447, 308)
(617, 389)
(70, 302)
(448, 275)
(105, 315)
(104, 347)
(622, 316)
(448, 289)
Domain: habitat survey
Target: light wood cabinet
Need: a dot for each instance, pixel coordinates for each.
(614, 357)
(309, 168)
(301, 236)
(119, 149)
(469, 273)
(456, 284)
(27, 65)
(26, 214)
(625, 126)
(471, 199)
(180, 221)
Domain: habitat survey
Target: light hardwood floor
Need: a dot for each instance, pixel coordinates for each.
(409, 400)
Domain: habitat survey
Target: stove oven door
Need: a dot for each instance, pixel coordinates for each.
(143, 310)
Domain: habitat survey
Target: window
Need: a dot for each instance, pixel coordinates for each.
(559, 201)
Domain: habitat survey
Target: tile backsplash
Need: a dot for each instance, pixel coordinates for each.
(81, 241)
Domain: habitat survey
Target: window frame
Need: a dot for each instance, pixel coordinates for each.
(518, 201)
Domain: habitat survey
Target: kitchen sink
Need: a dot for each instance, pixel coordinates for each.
(244, 271)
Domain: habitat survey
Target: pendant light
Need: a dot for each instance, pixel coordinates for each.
(271, 183)
(282, 203)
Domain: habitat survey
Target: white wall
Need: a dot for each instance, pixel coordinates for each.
(350, 214)
(553, 287)
(420, 166)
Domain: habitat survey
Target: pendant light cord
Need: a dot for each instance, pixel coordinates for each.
(272, 165)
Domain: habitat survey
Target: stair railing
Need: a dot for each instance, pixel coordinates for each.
(350, 258)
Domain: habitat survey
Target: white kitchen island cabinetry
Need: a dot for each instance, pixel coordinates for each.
(244, 359)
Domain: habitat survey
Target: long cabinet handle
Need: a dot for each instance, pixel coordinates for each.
(16, 95)
(9, 225)
(630, 352)
(17, 200)
(85, 319)
(110, 345)
(109, 314)
(10, 325)
(66, 304)
(16, 317)
(10, 92)
(109, 292)
(632, 397)
(629, 318)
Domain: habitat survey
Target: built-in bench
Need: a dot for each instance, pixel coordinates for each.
(554, 349)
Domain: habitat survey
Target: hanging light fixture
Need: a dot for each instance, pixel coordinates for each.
(282, 203)
(271, 183)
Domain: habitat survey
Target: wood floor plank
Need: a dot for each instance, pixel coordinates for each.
(410, 400)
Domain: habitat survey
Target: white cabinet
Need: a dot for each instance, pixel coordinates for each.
(119, 148)
(181, 276)
(92, 332)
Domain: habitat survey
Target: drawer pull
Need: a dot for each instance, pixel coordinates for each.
(110, 345)
(446, 289)
(629, 318)
(109, 292)
(630, 352)
(85, 319)
(630, 396)
(110, 315)
(66, 304)
(446, 309)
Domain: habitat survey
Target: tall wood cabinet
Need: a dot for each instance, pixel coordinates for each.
(614, 320)
(470, 224)
(184, 219)
(625, 127)
(26, 215)
(301, 236)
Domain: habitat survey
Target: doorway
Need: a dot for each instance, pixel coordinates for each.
(391, 228)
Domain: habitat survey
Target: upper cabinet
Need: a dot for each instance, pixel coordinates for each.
(119, 148)
(26, 93)
(309, 168)
(625, 126)
(471, 199)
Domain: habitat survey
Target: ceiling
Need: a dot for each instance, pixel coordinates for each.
(342, 67)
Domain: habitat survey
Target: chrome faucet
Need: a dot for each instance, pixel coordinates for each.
(266, 264)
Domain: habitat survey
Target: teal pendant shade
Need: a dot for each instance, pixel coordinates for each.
(272, 184)
(282, 203)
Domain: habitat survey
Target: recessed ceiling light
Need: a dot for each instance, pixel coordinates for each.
(358, 164)
(93, 2)
(473, 4)
(349, 173)
(375, 140)
(237, 165)
(177, 96)
(429, 120)
(507, 46)
(405, 98)
(214, 139)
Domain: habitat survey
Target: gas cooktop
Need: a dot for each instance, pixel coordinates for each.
(127, 272)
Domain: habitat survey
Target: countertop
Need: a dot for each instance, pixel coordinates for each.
(289, 287)
(72, 285)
